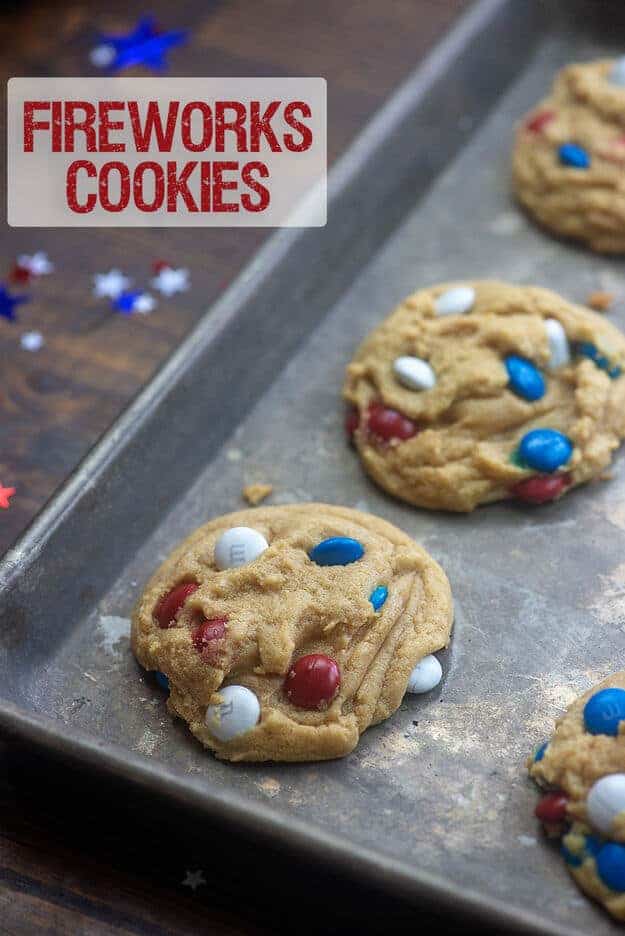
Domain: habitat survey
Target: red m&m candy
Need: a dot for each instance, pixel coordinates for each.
(541, 488)
(168, 608)
(552, 807)
(387, 424)
(539, 121)
(313, 681)
(208, 632)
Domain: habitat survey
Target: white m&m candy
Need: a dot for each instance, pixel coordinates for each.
(455, 301)
(238, 546)
(617, 75)
(606, 800)
(414, 373)
(425, 676)
(237, 714)
(559, 350)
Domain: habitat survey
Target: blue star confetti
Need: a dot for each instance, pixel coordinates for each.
(129, 302)
(8, 303)
(144, 45)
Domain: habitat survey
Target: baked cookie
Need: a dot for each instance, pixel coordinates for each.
(583, 769)
(284, 632)
(569, 156)
(477, 392)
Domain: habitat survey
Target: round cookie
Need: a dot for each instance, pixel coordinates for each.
(582, 768)
(569, 156)
(284, 632)
(522, 396)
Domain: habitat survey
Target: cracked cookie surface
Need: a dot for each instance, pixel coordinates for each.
(307, 639)
(482, 391)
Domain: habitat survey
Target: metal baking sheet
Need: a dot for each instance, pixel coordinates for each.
(434, 803)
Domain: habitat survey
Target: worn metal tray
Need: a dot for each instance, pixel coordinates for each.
(434, 804)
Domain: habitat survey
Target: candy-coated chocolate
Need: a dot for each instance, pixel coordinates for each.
(235, 715)
(238, 546)
(604, 711)
(456, 301)
(388, 424)
(425, 676)
(617, 72)
(605, 800)
(539, 121)
(539, 753)
(337, 550)
(525, 378)
(162, 680)
(378, 596)
(541, 488)
(170, 605)
(206, 633)
(545, 449)
(414, 373)
(611, 865)
(313, 681)
(559, 347)
(574, 156)
(552, 807)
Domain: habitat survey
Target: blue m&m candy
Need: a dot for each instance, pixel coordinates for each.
(525, 379)
(378, 596)
(539, 753)
(337, 550)
(162, 680)
(611, 865)
(604, 711)
(573, 155)
(545, 450)
(570, 857)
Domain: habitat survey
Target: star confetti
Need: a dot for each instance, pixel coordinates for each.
(169, 281)
(110, 285)
(35, 265)
(5, 495)
(194, 879)
(8, 303)
(130, 302)
(144, 45)
(32, 341)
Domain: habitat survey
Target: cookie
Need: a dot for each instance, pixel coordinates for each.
(478, 392)
(582, 770)
(284, 632)
(569, 156)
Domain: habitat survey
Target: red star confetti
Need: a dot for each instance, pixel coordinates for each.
(170, 281)
(5, 495)
(28, 266)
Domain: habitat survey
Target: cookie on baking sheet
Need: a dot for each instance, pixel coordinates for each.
(284, 632)
(582, 771)
(476, 392)
(569, 156)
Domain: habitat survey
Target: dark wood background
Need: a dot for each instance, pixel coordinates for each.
(72, 861)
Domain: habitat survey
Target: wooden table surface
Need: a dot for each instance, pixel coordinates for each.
(55, 875)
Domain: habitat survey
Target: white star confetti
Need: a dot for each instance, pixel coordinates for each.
(170, 281)
(32, 341)
(145, 303)
(110, 285)
(102, 55)
(194, 879)
(37, 264)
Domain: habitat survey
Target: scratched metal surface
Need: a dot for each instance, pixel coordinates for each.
(540, 594)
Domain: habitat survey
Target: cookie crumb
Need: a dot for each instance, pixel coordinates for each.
(600, 300)
(254, 494)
